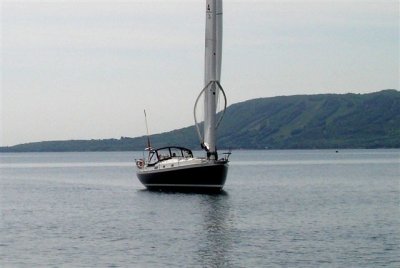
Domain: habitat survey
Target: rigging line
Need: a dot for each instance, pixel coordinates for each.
(225, 100)
(195, 109)
(147, 131)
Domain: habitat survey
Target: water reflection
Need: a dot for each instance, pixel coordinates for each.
(218, 228)
(210, 217)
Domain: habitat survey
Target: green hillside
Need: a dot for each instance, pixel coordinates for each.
(285, 122)
(315, 121)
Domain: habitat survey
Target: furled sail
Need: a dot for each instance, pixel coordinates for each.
(212, 72)
(213, 41)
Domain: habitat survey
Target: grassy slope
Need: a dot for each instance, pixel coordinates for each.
(315, 121)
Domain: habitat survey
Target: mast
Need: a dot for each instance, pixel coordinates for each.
(212, 73)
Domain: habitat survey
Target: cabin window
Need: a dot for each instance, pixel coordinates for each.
(175, 152)
(153, 158)
(187, 153)
(163, 154)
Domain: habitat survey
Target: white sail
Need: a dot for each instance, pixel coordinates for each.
(213, 41)
(212, 72)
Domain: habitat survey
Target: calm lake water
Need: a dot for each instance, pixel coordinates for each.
(280, 208)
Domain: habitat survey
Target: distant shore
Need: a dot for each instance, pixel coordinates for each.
(324, 121)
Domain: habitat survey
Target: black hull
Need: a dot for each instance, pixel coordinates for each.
(201, 178)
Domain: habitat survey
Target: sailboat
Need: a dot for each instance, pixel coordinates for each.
(174, 168)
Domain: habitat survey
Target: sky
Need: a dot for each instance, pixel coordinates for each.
(88, 69)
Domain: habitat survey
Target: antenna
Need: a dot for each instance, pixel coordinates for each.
(147, 131)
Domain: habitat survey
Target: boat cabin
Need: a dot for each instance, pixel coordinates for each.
(165, 153)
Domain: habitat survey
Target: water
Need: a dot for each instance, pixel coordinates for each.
(279, 208)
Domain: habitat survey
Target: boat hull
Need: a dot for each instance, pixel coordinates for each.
(196, 178)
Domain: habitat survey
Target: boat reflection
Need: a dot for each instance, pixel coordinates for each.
(218, 231)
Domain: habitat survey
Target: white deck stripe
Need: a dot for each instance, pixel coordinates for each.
(184, 185)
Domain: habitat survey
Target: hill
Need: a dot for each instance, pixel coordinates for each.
(285, 122)
(315, 121)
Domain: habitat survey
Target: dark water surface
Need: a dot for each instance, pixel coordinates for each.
(279, 208)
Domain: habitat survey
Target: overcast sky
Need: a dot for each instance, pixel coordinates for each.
(87, 69)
